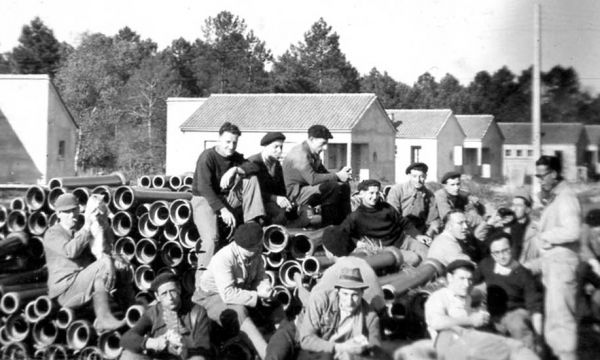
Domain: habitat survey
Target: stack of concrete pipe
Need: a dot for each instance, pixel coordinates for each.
(153, 228)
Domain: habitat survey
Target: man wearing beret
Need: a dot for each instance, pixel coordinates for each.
(308, 182)
(235, 279)
(415, 201)
(270, 178)
(169, 329)
(75, 275)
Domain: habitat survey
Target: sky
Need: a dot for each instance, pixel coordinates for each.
(406, 38)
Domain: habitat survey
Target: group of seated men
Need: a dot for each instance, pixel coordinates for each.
(341, 315)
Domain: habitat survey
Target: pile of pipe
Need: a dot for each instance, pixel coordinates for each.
(153, 228)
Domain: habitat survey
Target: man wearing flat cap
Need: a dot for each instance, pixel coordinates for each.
(415, 201)
(270, 178)
(235, 279)
(308, 182)
(339, 323)
(77, 276)
(169, 329)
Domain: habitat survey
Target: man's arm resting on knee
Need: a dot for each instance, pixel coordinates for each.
(135, 338)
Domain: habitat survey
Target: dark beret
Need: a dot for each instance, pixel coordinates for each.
(417, 166)
(270, 137)
(163, 279)
(456, 264)
(320, 132)
(248, 235)
(450, 175)
(337, 241)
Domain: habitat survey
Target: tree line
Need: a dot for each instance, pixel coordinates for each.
(116, 86)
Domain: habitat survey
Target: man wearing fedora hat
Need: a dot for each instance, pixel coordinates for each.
(170, 329)
(270, 178)
(339, 322)
(75, 275)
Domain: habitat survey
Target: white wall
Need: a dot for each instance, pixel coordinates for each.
(515, 165)
(428, 155)
(177, 147)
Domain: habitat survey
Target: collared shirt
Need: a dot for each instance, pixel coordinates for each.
(560, 223)
(270, 177)
(233, 277)
(444, 303)
(417, 205)
(445, 248)
(446, 202)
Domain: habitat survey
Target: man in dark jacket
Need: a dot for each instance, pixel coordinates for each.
(308, 182)
(170, 329)
(270, 178)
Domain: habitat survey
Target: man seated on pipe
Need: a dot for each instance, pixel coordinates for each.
(456, 241)
(415, 201)
(375, 224)
(308, 182)
(224, 185)
(171, 328)
(452, 321)
(515, 299)
(75, 274)
(235, 279)
(270, 178)
(339, 323)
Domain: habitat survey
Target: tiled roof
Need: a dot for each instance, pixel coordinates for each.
(552, 133)
(475, 126)
(593, 132)
(419, 123)
(280, 111)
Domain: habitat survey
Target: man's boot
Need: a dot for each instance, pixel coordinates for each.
(105, 321)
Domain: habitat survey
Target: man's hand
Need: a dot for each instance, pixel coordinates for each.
(227, 217)
(264, 291)
(283, 203)
(479, 318)
(424, 239)
(158, 343)
(228, 178)
(536, 322)
(344, 174)
(351, 347)
(595, 265)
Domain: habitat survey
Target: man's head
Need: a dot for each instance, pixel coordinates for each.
(350, 287)
(548, 171)
(417, 174)
(67, 210)
(370, 192)
(249, 238)
(318, 138)
(168, 291)
(228, 139)
(500, 247)
(455, 223)
(459, 274)
(521, 204)
(337, 242)
(272, 144)
(451, 182)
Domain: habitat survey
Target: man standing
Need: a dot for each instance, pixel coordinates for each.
(415, 201)
(339, 322)
(270, 178)
(309, 183)
(514, 298)
(169, 329)
(559, 232)
(223, 185)
(455, 242)
(75, 276)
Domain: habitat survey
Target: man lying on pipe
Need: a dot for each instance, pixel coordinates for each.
(170, 329)
(77, 273)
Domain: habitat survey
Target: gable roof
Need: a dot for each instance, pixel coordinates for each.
(552, 133)
(281, 111)
(419, 123)
(475, 126)
(593, 132)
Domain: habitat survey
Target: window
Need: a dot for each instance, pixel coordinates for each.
(415, 154)
(61, 149)
(507, 152)
(519, 153)
(530, 153)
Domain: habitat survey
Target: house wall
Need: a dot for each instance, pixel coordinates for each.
(427, 154)
(375, 130)
(24, 103)
(493, 140)
(516, 166)
(60, 128)
(180, 147)
(449, 138)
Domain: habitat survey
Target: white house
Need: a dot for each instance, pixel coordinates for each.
(593, 148)
(430, 136)
(482, 149)
(363, 135)
(38, 135)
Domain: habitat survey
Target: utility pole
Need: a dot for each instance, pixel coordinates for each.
(536, 93)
